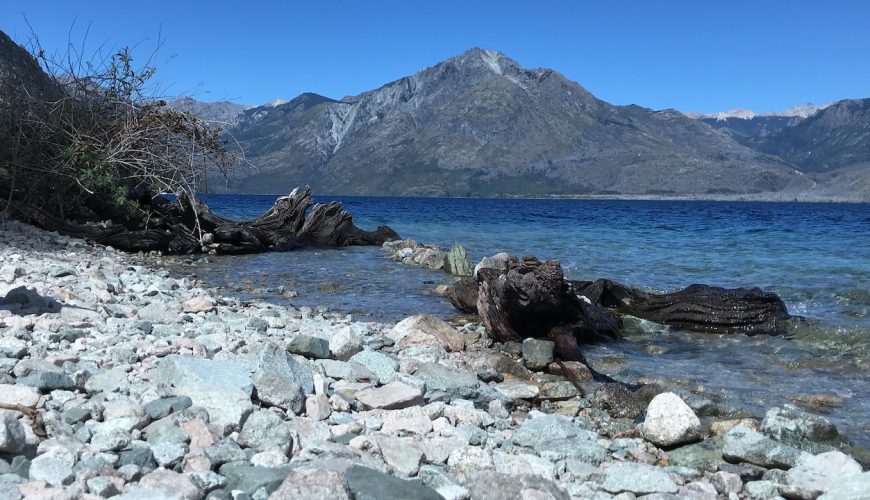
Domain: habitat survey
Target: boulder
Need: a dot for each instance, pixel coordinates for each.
(537, 354)
(12, 435)
(669, 421)
(392, 396)
(369, 484)
(312, 484)
(638, 479)
(265, 430)
(427, 330)
(309, 346)
(799, 428)
(457, 262)
(815, 475)
(745, 445)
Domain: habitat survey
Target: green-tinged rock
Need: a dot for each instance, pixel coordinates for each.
(745, 445)
(309, 346)
(457, 262)
(706, 455)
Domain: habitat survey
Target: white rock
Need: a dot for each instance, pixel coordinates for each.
(670, 421)
(816, 474)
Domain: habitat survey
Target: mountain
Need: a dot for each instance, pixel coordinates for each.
(479, 124)
(835, 137)
(224, 113)
(747, 127)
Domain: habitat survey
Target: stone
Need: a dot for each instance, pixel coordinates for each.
(113, 380)
(380, 364)
(853, 487)
(745, 445)
(796, 427)
(726, 483)
(705, 455)
(158, 312)
(265, 430)
(207, 480)
(392, 396)
(312, 484)
(517, 389)
(53, 469)
(18, 395)
(402, 454)
(113, 440)
(370, 484)
(167, 434)
(268, 357)
(639, 479)
(491, 485)
(270, 458)
(815, 475)
(47, 381)
(497, 262)
(617, 401)
(447, 384)
(537, 354)
(760, 490)
(12, 435)
(168, 454)
(427, 330)
(457, 262)
(141, 457)
(523, 463)
(221, 387)
(344, 344)
(103, 486)
(318, 407)
(170, 484)
(198, 304)
(436, 478)
(309, 346)
(277, 390)
(669, 421)
(250, 479)
(163, 407)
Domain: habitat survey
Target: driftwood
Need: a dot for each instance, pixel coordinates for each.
(188, 226)
(699, 308)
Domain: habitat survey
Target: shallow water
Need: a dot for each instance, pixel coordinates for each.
(815, 256)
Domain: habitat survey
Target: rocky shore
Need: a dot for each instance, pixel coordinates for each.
(119, 380)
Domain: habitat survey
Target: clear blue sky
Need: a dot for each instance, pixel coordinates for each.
(694, 55)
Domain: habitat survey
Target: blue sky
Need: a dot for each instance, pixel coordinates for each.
(700, 55)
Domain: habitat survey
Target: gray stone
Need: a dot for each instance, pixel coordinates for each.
(277, 390)
(12, 435)
(706, 455)
(726, 483)
(558, 438)
(497, 262)
(318, 407)
(206, 480)
(269, 357)
(669, 421)
(168, 454)
(167, 434)
(640, 479)
(223, 388)
(436, 478)
(113, 380)
(170, 485)
(815, 475)
(163, 407)
(266, 430)
(853, 487)
(18, 395)
(141, 457)
(425, 330)
(309, 346)
(351, 372)
(392, 396)
(447, 384)
(102, 487)
(517, 389)
(312, 484)
(537, 354)
(344, 344)
(745, 445)
(47, 381)
(491, 485)
(113, 440)
(380, 364)
(402, 454)
(55, 470)
(760, 490)
(617, 401)
(250, 479)
(799, 428)
(158, 312)
(369, 484)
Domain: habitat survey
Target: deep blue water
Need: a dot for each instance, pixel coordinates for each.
(815, 256)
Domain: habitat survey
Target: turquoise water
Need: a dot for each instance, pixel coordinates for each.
(815, 256)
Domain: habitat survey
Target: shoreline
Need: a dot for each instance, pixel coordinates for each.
(149, 385)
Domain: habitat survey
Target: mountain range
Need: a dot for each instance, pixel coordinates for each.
(479, 124)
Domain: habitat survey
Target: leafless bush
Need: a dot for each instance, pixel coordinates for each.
(90, 138)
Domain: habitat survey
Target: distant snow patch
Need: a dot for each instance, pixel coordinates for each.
(491, 57)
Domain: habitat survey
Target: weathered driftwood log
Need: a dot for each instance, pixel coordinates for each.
(698, 307)
(188, 226)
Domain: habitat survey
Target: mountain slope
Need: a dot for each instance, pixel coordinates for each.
(838, 136)
(478, 125)
(223, 113)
